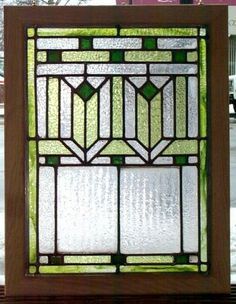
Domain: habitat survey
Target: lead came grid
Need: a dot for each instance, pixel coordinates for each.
(117, 150)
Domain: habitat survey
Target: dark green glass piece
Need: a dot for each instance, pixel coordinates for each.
(148, 90)
(149, 43)
(85, 91)
(52, 160)
(54, 56)
(117, 160)
(85, 43)
(56, 260)
(118, 259)
(117, 56)
(182, 259)
(181, 160)
(179, 56)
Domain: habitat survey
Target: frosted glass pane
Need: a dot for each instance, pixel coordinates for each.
(74, 81)
(177, 43)
(117, 107)
(95, 149)
(41, 102)
(163, 160)
(139, 148)
(95, 81)
(138, 81)
(173, 69)
(65, 110)
(117, 43)
(116, 69)
(129, 110)
(74, 148)
(192, 107)
(104, 108)
(69, 160)
(87, 206)
(159, 148)
(159, 81)
(190, 209)
(149, 210)
(46, 209)
(133, 160)
(60, 69)
(57, 43)
(168, 110)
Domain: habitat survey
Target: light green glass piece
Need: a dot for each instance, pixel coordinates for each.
(31, 88)
(30, 32)
(150, 259)
(92, 120)
(182, 147)
(73, 32)
(151, 56)
(77, 269)
(78, 113)
(53, 104)
(32, 269)
(117, 147)
(87, 259)
(142, 106)
(117, 130)
(85, 56)
(42, 56)
(203, 268)
(203, 198)
(159, 268)
(32, 200)
(158, 32)
(155, 119)
(52, 147)
(180, 107)
(192, 56)
(202, 32)
(203, 89)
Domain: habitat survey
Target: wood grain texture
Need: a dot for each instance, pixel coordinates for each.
(17, 284)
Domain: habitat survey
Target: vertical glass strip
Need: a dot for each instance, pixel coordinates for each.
(142, 108)
(180, 107)
(78, 111)
(117, 110)
(105, 110)
(203, 89)
(203, 200)
(31, 86)
(65, 110)
(32, 200)
(155, 119)
(53, 103)
(91, 120)
(129, 110)
(168, 110)
(41, 106)
(192, 107)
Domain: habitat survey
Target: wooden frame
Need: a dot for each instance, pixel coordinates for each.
(218, 280)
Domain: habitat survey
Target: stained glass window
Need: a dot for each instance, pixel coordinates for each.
(117, 150)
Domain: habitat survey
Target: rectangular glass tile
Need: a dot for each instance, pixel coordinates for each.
(130, 100)
(159, 268)
(177, 43)
(60, 69)
(180, 87)
(150, 259)
(105, 110)
(149, 56)
(31, 87)
(42, 106)
(116, 69)
(117, 43)
(74, 32)
(65, 110)
(192, 107)
(76, 269)
(85, 56)
(92, 259)
(158, 32)
(168, 110)
(173, 69)
(57, 43)
(53, 102)
(117, 107)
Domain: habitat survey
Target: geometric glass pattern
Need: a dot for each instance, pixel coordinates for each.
(117, 150)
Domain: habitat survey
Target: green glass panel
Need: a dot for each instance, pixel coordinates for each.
(55, 260)
(32, 201)
(150, 259)
(85, 91)
(54, 56)
(78, 118)
(30, 32)
(179, 56)
(117, 56)
(182, 259)
(180, 107)
(117, 160)
(159, 268)
(87, 259)
(192, 56)
(52, 147)
(42, 56)
(77, 32)
(142, 108)
(92, 120)
(182, 147)
(117, 100)
(85, 43)
(53, 104)
(31, 89)
(52, 160)
(117, 147)
(148, 90)
(155, 119)
(118, 259)
(83, 56)
(203, 200)
(203, 89)
(76, 269)
(32, 269)
(150, 43)
(150, 56)
(158, 32)
(181, 160)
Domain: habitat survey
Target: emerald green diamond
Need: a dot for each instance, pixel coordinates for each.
(85, 91)
(148, 90)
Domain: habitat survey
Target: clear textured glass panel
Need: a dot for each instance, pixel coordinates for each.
(60, 69)
(163, 160)
(133, 160)
(177, 43)
(116, 69)
(104, 110)
(87, 205)
(65, 110)
(130, 100)
(69, 160)
(149, 210)
(143, 123)
(53, 103)
(159, 81)
(41, 106)
(192, 107)
(42, 56)
(159, 148)
(155, 119)
(168, 110)
(148, 56)
(95, 81)
(117, 43)
(138, 81)
(74, 81)
(46, 209)
(96, 148)
(74, 148)
(85, 56)
(192, 56)
(177, 69)
(57, 43)
(139, 148)
(117, 107)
